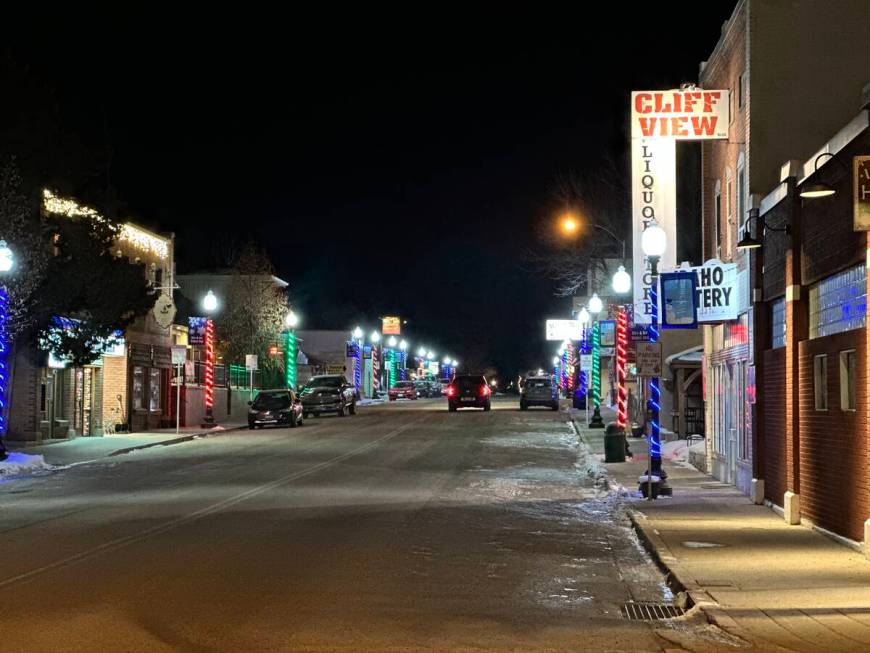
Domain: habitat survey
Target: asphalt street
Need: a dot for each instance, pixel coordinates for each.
(403, 528)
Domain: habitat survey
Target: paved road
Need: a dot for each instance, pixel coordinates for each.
(404, 528)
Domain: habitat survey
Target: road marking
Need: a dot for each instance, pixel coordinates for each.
(202, 512)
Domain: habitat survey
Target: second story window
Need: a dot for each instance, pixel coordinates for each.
(839, 303)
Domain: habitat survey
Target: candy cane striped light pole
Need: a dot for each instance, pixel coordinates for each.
(209, 304)
(621, 357)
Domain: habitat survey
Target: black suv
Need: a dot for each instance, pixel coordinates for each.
(468, 391)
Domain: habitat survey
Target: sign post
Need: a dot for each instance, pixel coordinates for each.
(179, 354)
(251, 364)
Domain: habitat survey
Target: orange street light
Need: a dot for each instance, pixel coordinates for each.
(569, 224)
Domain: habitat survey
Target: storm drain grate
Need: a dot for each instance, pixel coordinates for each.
(651, 611)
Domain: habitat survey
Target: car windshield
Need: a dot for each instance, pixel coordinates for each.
(325, 382)
(469, 381)
(405, 384)
(271, 401)
(538, 383)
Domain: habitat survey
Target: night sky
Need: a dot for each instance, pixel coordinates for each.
(389, 163)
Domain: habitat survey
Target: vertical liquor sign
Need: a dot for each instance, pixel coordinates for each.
(658, 120)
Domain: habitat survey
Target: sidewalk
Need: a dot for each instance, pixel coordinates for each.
(85, 449)
(776, 586)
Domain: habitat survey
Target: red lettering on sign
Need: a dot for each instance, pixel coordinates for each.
(641, 102)
(704, 125)
(647, 126)
(678, 126)
(710, 98)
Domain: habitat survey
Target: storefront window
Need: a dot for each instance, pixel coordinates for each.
(138, 388)
(820, 382)
(839, 303)
(777, 324)
(154, 390)
(848, 400)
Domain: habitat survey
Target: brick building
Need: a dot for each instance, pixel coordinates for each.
(813, 344)
(127, 387)
(784, 102)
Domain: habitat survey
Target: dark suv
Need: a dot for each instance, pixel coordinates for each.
(329, 393)
(468, 391)
(274, 408)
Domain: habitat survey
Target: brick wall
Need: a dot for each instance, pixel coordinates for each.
(23, 418)
(834, 461)
(114, 384)
(773, 427)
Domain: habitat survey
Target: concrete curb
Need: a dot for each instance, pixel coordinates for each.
(180, 439)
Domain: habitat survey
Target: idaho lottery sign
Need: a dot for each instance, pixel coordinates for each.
(658, 120)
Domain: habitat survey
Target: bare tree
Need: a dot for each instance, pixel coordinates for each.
(600, 201)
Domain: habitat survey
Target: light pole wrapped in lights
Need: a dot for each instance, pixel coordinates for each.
(209, 304)
(653, 242)
(291, 350)
(621, 358)
(7, 261)
(403, 360)
(357, 336)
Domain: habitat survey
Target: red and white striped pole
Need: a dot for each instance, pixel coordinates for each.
(621, 358)
(209, 373)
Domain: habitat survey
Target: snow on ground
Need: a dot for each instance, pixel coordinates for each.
(17, 464)
(369, 402)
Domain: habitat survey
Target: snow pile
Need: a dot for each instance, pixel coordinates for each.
(676, 450)
(22, 463)
(369, 402)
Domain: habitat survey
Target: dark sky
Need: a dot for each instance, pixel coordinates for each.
(389, 163)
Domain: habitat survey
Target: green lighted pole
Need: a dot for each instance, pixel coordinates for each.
(596, 422)
(291, 351)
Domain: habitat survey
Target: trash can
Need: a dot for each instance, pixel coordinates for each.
(614, 444)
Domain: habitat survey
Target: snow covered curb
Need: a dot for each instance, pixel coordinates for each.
(17, 464)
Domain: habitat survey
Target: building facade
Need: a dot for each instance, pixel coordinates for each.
(776, 114)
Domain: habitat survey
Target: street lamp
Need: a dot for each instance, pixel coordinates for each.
(621, 281)
(357, 337)
(820, 188)
(7, 262)
(375, 337)
(209, 305)
(403, 360)
(392, 342)
(595, 304)
(357, 333)
(653, 242)
(291, 350)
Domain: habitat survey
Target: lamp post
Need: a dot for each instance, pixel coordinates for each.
(357, 338)
(375, 337)
(403, 360)
(587, 316)
(209, 305)
(291, 350)
(7, 262)
(653, 243)
(390, 356)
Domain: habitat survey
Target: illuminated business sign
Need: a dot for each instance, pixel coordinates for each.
(391, 326)
(861, 167)
(564, 330)
(658, 120)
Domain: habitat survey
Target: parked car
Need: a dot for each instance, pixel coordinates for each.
(403, 390)
(275, 408)
(434, 388)
(329, 393)
(424, 389)
(468, 391)
(539, 391)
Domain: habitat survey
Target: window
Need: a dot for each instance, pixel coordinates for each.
(154, 390)
(847, 380)
(717, 209)
(741, 90)
(729, 210)
(138, 388)
(820, 381)
(839, 303)
(741, 192)
(777, 323)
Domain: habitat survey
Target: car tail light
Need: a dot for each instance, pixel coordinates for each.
(484, 391)
(450, 391)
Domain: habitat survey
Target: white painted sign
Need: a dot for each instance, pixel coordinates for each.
(563, 330)
(250, 362)
(658, 120)
(689, 115)
(586, 362)
(717, 294)
(653, 197)
(179, 354)
(649, 358)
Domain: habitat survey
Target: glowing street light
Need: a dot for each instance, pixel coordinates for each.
(357, 333)
(595, 304)
(210, 302)
(621, 281)
(292, 320)
(569, 224)
(7, 260)
(392, 342)
(375, 337)
(403, 345)
(583, 316)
